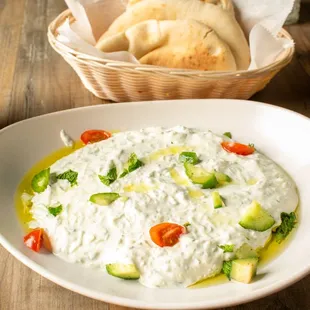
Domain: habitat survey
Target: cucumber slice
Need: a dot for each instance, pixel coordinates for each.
(243, 270)
(210, 183)
(200, 176)
(222, 178)
(40, 181)
(256, 218)
(189, 157)
(104, 199)
(245, 251)
(217, 200)
(127, 272)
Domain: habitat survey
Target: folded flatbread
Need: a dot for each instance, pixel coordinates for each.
(225, 4)
(214, 16)
(175, 44)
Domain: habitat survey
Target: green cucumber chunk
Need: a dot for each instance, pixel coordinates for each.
(256, 218)
(104, 199)
(244, 270)
(200, 176)
(210, 183)
(246, 251)
(123, 271)
(222, 178)
(189, 157)
(217, 200)
(40, 181)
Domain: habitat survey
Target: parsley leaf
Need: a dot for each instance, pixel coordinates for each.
(288, 223)
(227, 269)
(189, 157)
(110, 177)
(55, 210)
(227, 248)
(69, 175)
(227, 134)
(133, 164)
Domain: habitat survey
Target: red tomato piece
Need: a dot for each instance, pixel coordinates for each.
(238, 148)
(34, 240)
(166, 234)
(46, 242)
(92, 136)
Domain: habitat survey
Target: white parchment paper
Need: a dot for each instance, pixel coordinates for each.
(261, 21)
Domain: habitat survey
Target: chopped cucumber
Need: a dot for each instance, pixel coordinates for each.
(245, 251)
(243, 270)
(200, 176)
(217, 200)
(127, 272)
(189, 157)
(222, 178)
(40, 181)
(104, 199)
(256, 218)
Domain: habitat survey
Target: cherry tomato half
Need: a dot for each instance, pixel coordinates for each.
(92, 136)
(36, 238)
(238, 148)
(166, 234)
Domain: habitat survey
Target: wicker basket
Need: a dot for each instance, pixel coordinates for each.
(120, 81)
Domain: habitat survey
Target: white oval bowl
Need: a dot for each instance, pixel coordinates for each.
(281, 134)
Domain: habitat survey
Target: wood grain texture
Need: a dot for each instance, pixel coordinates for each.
(35, 80)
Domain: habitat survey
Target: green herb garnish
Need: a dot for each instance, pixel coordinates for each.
(227, 248)
(227, 134)
(189, 157)
(226, 269)
(110, 177)
(288, 223)
(69, 175)
(55, 210)
(133, 164)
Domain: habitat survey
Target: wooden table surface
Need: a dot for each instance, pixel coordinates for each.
(35, 80)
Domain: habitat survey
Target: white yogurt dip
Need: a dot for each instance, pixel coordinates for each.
(157, 192)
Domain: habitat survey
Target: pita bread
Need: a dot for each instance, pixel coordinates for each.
(185, 44)
(215, 17)
(225, 4)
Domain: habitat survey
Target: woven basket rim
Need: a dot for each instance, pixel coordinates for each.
(66, 51)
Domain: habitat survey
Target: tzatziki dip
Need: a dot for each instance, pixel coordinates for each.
(167, 207)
